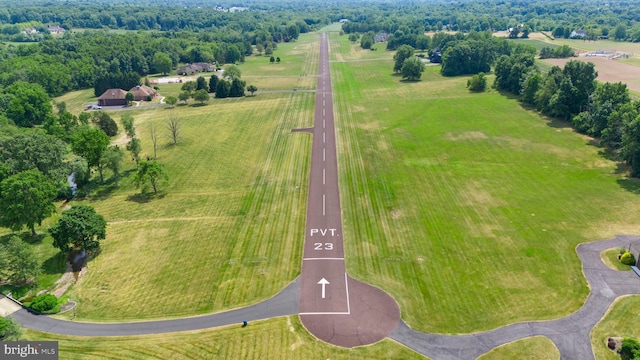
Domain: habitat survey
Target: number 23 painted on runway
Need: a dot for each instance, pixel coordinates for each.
(322, 246)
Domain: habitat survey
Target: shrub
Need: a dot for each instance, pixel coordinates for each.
(628, 259)
(477, 83)
(44, 302)
(630, 349)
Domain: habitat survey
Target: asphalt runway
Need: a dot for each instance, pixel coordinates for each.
(334, 307)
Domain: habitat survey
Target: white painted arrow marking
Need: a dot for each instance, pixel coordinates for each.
(324, 283)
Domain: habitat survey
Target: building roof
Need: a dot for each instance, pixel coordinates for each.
(113, 94)
(142, 91)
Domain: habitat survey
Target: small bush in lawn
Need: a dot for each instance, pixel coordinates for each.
(44, 302)
(630, 349)
(628, 259)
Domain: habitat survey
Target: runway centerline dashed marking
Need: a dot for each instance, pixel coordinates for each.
(323, 177)
(323, 204)
(324, 158)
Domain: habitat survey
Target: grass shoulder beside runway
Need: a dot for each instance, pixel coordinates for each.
(467, 208)
(279, 338)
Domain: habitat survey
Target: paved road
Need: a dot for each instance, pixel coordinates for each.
(284, 303)
(570, 334)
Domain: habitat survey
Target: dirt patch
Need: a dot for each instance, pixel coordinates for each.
(470, 135)
(608, 70)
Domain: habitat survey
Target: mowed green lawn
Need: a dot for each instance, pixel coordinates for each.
(467, 208)
(279, 338)
(533, 348)
(228, 228)
(620, 321)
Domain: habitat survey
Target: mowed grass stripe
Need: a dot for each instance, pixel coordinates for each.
(225, 232)
(279, 338)
(474, 205)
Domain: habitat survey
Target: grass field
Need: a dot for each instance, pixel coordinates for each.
(620, 321)
(467, 208)
(533, 348)
(225, 232)
(587, 45)
(279, 338)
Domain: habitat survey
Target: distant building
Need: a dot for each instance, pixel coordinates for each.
(113, 97)
(30, 31)
(342, 21)
(55, 29)
(436, 56)
(142, 92)
(194, 68)
(578, 34)
(381, 37)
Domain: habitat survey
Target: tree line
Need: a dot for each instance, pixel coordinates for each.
(602, 110)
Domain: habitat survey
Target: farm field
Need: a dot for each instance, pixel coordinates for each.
(467, 208)
(619, 70)
(615, 324)
(279, 338)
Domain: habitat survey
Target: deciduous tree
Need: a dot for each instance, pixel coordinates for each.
(252, 89)
(162, 63)
(113, 160)
(201, 95)
(18, 262)
(79, 228)
(174, 129)
(232, 72)
(150, 173)
(412, 68)
(29, 105)
(403, 53)
(26, 198)
(91, 145)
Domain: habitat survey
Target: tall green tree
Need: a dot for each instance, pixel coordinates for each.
(91, 144)
(222, 89)
(252, 89)
(26, 198)
(79, 228)
(134, 146)
(201, 95)
(30, 105)
(112, 158)
(232, 72)
(27, 150)
(18, 262)
(162, 63)
(213, 82)
(105, 123)
(150, 174)
(403, 53)
(201, 83)
(237, 88)
(128, 124)
(412, 68)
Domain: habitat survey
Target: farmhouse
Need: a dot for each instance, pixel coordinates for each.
(195, 67)
(578, 34)
(142, 92)
(55, 29)
(381, 37)
(112, 97)
(29, 31)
